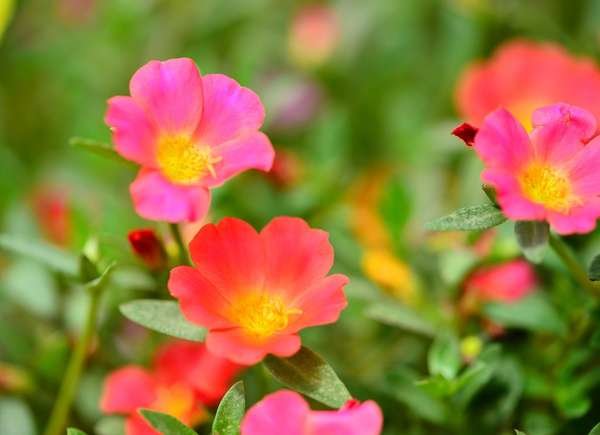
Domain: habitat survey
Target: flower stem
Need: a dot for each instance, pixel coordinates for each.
(566, 255)
(183, 258)
(68, 388)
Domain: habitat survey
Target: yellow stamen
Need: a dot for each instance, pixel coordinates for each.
(184, 162)
(548, 186)
(261, 315)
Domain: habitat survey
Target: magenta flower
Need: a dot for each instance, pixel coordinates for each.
(189, 134)
(551, 175)
(286, 412)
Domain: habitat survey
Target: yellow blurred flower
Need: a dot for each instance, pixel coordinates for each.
(392, 274)
(470, 347)
(6, 9)
(366, 222)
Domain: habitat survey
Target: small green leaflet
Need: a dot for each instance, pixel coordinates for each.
(309, 374)
(162, 316)
(230, 411)
(166, 424)
(473, 218)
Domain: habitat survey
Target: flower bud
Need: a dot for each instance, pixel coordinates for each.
(148, 247)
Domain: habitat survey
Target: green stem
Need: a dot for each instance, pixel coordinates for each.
(183, 257)
(566, 255)
(68, 388)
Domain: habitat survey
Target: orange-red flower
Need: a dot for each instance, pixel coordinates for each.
(185, 377)
(255, 291)
(522, 76)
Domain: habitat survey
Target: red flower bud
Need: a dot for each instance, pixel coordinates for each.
(466, 132)
(148, 247)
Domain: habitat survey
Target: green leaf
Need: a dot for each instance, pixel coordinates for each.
(99, 148)
(400, 316)
(162, 316)
(533, 313)
(444, 356)
(595, 430)
(73, 431)
(309, 374)
(477, 217)
(54, 258)
(532, 237)
(594, 269)
(15, 417)
(166, 424)
(230, 411)
(518, 432)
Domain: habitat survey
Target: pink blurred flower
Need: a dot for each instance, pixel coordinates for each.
(550, 175)
(255, 291)
(185, 377)
(292, 101)
(314, 35)
(507, 282)
(52, 212)
(287, 169)
(286, 412)
(189, 133)
(523, 76)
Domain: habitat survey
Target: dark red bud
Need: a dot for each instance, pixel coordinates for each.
(148, 247)
(466, 132)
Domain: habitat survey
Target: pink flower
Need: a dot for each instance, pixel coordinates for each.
(550, 175)
(523, 76)
(184, 379)
(255, 291)
(507, 282)
(189, 133)
(51, 207)
(314, 35)
(286, 412)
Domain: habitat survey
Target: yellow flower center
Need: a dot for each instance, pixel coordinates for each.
(182, 161)
(261, 315)
(179, 401)
(548, 186)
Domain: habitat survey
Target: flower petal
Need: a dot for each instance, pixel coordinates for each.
(229, 255)
(297, 256)
(253, 151)
(136, 425)
(155, 198)
(584, 170)
(181, 361)
(133, 134)
(283, 412)
(127, 389)
(560, 132)
(171, 94)
(502, 142)
(363, 419)
(230, 111)
(322, 304)
(199, 300)
(234, 345)
(580, 220)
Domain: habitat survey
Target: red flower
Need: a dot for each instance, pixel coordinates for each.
(185, 377)
(523, 76)
(255, 291)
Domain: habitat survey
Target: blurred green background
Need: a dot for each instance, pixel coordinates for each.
(376, 109)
